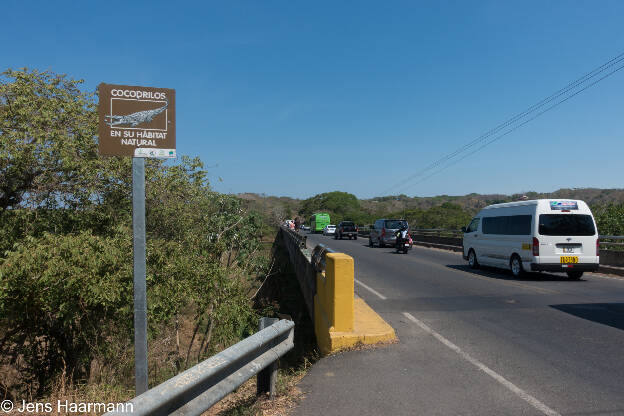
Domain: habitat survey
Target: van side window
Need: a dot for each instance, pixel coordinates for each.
(474, 225)
(508, 225)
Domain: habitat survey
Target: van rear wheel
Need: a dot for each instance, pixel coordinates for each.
(515, 264)
(472, 260)
(574, 275)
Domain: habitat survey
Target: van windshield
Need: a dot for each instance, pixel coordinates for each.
(562, 224)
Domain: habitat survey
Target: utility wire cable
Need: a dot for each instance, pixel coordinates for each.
(519, 125)
(570, 87)
(531, 109)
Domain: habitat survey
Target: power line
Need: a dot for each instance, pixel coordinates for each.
(520, 125)
(570, 87)
(519, 116)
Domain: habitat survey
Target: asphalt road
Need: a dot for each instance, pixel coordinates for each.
(475, 342)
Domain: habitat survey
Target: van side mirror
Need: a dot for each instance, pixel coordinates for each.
(463, 229)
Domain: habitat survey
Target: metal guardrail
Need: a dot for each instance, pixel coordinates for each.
(441, 232)
(365, 231)
(195, 390)
(318, 257)
(458, 233)
(611, 243)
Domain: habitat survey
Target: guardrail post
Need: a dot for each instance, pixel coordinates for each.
(267, 377)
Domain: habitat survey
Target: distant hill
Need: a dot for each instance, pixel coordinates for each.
(474, 202)
(471, 202)
(428, 211)
(274, 209)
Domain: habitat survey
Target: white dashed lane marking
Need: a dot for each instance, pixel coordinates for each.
(370, 289)
(502, 380)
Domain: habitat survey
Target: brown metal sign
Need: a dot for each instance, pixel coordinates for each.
(136, 121)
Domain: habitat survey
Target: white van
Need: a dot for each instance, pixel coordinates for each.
(540, 235)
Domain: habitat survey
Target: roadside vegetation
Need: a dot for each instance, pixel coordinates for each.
(66, 283)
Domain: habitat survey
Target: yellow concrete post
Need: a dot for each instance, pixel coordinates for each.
(339, 321)
(339, 274)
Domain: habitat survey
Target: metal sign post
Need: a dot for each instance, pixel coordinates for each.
(139, 122)
(140, 286)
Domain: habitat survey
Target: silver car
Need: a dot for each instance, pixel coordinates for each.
(329, 229)
(384, 230)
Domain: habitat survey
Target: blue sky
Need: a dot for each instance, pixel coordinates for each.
(297, 98)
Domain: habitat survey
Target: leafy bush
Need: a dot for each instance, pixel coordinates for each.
(62, 298)
(67, 299)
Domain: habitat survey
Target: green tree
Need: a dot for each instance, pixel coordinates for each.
(609, 219)
(340, 206)
(48, 154)
(51, 178)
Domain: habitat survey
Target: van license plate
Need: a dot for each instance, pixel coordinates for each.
(569, 259)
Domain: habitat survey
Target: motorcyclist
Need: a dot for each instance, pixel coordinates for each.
(401, 234)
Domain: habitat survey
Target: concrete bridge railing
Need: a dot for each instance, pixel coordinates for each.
(326, 279)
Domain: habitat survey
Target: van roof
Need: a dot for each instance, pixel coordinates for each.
(513, 204)
(533, 202)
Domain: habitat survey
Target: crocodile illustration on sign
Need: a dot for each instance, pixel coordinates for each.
(135, 119)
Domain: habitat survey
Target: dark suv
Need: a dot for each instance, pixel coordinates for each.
(346, 228)
(383, 232)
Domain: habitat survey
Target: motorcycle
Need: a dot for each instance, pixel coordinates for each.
(403, 244)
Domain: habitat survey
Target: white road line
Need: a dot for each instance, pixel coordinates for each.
(509, 385)
(370, 289)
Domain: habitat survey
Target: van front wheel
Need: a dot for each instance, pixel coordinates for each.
(515, 264)
(472, 260)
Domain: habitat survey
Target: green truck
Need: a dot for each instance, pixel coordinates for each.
(318, 222)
